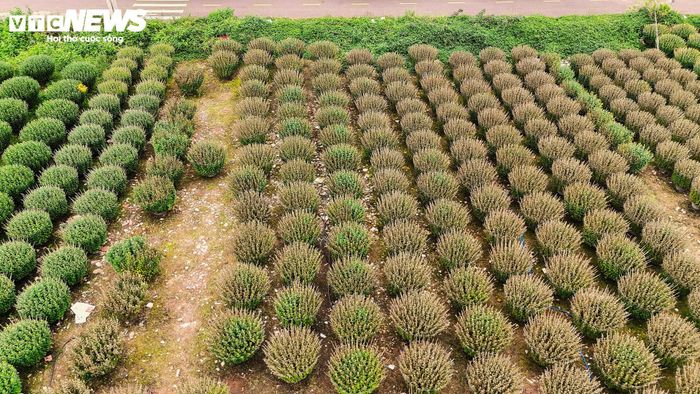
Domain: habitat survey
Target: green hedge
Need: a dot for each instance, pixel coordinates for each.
(192, 37)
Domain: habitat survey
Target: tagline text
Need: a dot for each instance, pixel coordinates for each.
(86, 39)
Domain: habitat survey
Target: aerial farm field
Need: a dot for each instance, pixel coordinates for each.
(289, 216)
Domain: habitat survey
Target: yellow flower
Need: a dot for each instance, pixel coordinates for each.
(82, 88)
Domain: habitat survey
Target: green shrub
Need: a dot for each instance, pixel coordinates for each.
(15, 179)
(5, 134)
(88, 232)
(641, 210)
(64, 110)
(396, 205)
(153, 88)
(236, 336)
(503, 225)
(645, 294)
(297, 305)
(247, 178)
(254, 243)
(299, 196)
(107, 177)
(226, 44)
(668, 153)
(660, 238)
(510, 258)
(258, 57)
(345, 209)
(291, 354)
(299, 226)
(684, 171)
(145, 102)
(569, 273)
(540, 207)
(418, 315)
(223, 63)
(551, 339)
(133, 53)
(298, 261)
(494, 373)
(67, 264)
(33, 154)
(348, 239)
(114, 73)
(7, 297)
(126, 297)
(115, 87)
(138, 118)
(22, 88)
(351, 275)
(292, 126)
(624, 363)
(7, 206)
(481, 328)
(297, 171)
(345, 182)
(7, 71)
(297, 148)
(100, 202)
(166, 166)
(17, 259)
(406, 272)
(170, 143)
(687, 378)
(30, 225)
(682, 270)
(580, 198)
(430, 159)
(70, 89)
(109, 103)
(601, 222)
(557, 237)
(47, 130)
(9, 379)
(623, 186)
(526, 296)
(355, 368)
(405, 236)
(673, 339)
(488, 198)
(155, 195)
(331, 115)
(51, 199)
(243, 286)
(14, 112)
(25, 343)
(97, 351)
(250, 206)
(76, 156)
(90, 135)
(458, 249)
(98, 117)
(134, 255)
(46, 299)
(437, 184)
(207, 158)
(617, 255)
(563, 378)
(355, 319)
(189, 79)
(425, 367)
(122, 155)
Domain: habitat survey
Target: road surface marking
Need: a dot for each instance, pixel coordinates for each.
(158, 5)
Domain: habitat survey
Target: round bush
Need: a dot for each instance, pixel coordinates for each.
(396, 205)
(33, 154)
(97, 351)
(14, 112)
(298, 261)
(7, 206)
(88, 232)
(170, 143)
(297, 147)
(17, 259)
(46, 299)
(355, 368)
(291, 354)
(155, 195)
(51, 199)
(673, 339)
(405, 236)
(503, 225)
(345, 209)
(68, 264)
(125, 299)
(355, 319)
(134, 255)
(7, 296)
(90, 135)
(601, 222)
(108, 177)
(494, 373)
(526, 296)
(418, 315)
(348, 239)
(30, 225)
(299, 226)
(100, 202)
(510, 258)
(6, 71)
(568, 378)
(688, 378)
(425, 367)
(406, 272)
(63, 110)
(247, 178)
(97, 117)
(10, 382)
(47, 130)
(344, 182)
(116, 87)
(236, 336)
(618, 255)
(551, 339)
(82, 71)
(166, 166)
(23, 88)
(243, 286)
(557, 237)
(138, 118)
(62, 176)
(682, 270)
(250, 206)
(580, 198)
(297, 305)
(351, 275)
(70, 89)
(569, 273)
(341, 157)
(15, 179)
(645, 294)
(77, 156)
(299, 196)
(458, 249)
(206, 158)
(25, 342)
(468, 286)
(254, 243)
(660, 238)
(106, 102)
(483, 329)
(624, 363)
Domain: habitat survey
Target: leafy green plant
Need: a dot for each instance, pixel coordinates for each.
(483, 329)
(88, 232)
(355, 368)
(98, 350)
(494, 373)
(355, 318)
(235, 336)
(46, 299)
(30, 225)
(155, 195)
(292, 354)
(25, 343)
(351, 275)
(17, 259)
(297, 305)
(68, 264)
(624, 363)
(418, 315)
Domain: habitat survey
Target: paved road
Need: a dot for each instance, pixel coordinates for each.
(317, 8)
